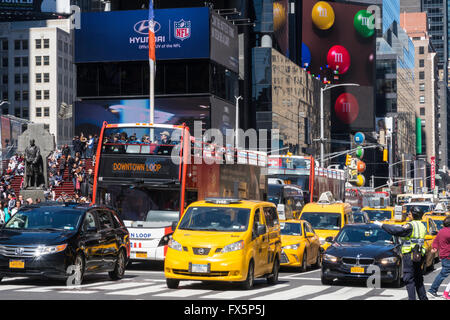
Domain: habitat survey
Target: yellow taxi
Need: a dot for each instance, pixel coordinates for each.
(437, 219)
(327, 217)
(430, 257)
(300, 246)
(220, 239)
(379, 214)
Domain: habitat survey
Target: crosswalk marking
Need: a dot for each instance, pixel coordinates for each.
(390, 294)
(343, 294)
(182, 293)
(118, 286)
(292, 293)
(139, 291)
(12, 287)
(235, 294)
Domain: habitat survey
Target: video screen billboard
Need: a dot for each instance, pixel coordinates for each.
(338, 45)
(224, 42)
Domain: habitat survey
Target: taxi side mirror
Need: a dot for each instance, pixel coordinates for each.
(329, 239)
(309, 234)
(261, 229)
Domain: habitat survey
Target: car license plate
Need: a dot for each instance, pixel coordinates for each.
(357, 270)
(141, 254)
(200, 268)
(17, 264)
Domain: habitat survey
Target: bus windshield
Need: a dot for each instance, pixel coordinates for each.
(141, 140)
(323, 220)
(154, 207)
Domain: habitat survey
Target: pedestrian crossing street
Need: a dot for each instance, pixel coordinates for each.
(157, 289)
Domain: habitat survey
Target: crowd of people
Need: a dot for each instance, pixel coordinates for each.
(73, 158)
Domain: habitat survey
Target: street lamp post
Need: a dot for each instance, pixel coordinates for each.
(322, 124)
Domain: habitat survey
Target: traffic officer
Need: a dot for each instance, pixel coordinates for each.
(412, 234)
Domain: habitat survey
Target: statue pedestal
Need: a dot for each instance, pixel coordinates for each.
(33, 194)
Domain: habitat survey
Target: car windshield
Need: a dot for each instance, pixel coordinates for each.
(364, 235)
(439, 223)
(45, 218)
(358, 218)
(379, 215)
(323, 220)
(291, 229)
(423, 208)
(215, 219)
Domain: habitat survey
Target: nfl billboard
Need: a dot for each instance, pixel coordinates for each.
(187, 33)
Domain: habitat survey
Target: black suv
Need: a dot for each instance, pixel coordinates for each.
(63, 240)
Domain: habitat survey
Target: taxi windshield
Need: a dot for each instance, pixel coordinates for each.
(439, 223)
(378, 215)
(372, 235)
(215, 219)
(423, 208)
(323, 220)
(291, 229)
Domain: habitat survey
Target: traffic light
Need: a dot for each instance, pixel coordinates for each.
(385, 155)
(348, 160)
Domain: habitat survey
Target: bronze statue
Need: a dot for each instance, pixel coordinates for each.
(33, 167)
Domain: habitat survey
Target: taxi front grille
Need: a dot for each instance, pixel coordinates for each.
(197, 274)
(284, 258)
(201, 251)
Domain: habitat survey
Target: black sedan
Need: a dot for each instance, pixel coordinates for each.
(64, 241)
(358, 251)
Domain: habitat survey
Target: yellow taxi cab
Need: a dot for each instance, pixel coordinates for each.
(220, 239)
(430, 257)
(437, 219)
(379, 213)
(300, 246)
(327, 217)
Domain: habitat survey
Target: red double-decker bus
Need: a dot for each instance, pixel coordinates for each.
(150, 173)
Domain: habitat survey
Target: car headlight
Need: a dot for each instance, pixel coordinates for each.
(175, 245)
(233, 247)
(164, 240)
(330, 258)
(41, 250)
(389, 260)
(292, 246)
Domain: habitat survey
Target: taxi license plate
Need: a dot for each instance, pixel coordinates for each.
(357, 270)
(141, 254)
(199, 268)
(17, 264)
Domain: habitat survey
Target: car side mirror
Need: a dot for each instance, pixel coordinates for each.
(329, 239)
(261, 229)
(174, 225)
(309, 234)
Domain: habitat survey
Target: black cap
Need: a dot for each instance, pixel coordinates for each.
(416, 213)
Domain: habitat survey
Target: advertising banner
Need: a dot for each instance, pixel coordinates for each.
(224, 42)
(338, 46)
(433, 173)
(123, 35)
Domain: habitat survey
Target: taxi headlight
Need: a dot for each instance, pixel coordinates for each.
(233, 247)
(330, 258)
(41, 250)
(389, 260)
(175, 245)
(322, 240)
(292, 246)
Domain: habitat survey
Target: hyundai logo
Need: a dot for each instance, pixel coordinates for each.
(143, 26)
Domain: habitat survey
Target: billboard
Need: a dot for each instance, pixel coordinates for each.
(338, 46)
(123, 35)
(224, 42)
(34, 5)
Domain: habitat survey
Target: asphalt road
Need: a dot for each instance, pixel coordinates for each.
(145, 281)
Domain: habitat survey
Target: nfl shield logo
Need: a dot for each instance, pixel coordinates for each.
(182, 29)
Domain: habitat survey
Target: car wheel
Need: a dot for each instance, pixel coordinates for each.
(304, 266)
(248, 283)
(172, 283)
(76, 271)
(119, 269)
(326, 281)
(273, 277)
(318, 263)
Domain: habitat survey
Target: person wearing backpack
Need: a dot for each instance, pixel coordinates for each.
(413, 237)
(442, 244)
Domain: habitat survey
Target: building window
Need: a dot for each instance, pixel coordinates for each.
(46, 94)
(46, 43)
(17, 96)
(421, 63)
(421, 50)
(421, 75)
(17, 62)
(38, 94)
(60, 46)
(422, 111)
(5, 62)
(46, 112)
(46, 77)
(25, 95)
(5, 79)
(38, 43)
(422, 99)
(5, 45)
(38, 60)
(17, 78)
(25, 113)
(38, 112)
(38, 77)
(17, 112)
(24, 44)
(17, 44)
(25, 78)
(24, 61)
(46, 60)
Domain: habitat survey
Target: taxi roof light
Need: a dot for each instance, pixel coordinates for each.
(222, 200)
(326, 198)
